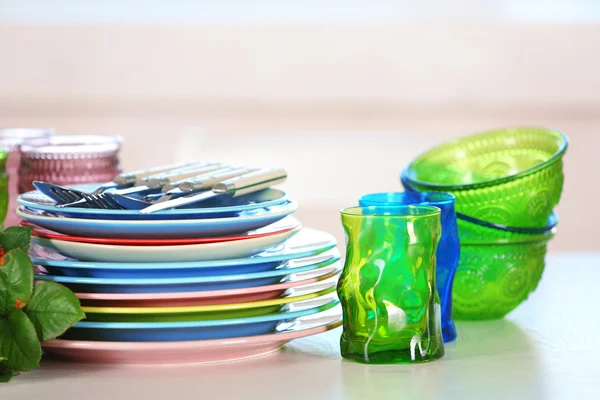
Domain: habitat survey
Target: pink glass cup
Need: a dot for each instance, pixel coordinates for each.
(69, 160)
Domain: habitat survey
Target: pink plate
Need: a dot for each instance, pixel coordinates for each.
(286, 224)
(192, 352)
(226, 296)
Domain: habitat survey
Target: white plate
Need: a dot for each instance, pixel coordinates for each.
(177, 253)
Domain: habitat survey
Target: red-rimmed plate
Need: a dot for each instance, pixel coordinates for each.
(286, 224)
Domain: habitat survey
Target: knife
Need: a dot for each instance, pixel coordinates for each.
(207, 181)
(158, 181)
(238, 186)
(200, 183)
(202, 180)
(129, 179)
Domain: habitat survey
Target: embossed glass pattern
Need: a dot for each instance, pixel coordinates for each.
(495, 276)
(387, 289)
(512, 177)
(448, 249)
(70, 159)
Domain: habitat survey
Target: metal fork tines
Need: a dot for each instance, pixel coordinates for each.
(66, 197)
(102, 201)
(88, 200)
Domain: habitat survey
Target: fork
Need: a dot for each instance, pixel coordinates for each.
(66, 195)
(58, 193)
(63, 195)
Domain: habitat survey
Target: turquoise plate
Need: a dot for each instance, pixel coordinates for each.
(218, 207)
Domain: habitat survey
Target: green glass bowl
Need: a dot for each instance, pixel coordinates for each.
(469, 231)
(512, 176)
(496, 276)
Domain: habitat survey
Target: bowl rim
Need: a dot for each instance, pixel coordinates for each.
(490, 182)
(522, 239)
(551, 223)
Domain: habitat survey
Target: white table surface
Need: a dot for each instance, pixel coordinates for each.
(549, 348)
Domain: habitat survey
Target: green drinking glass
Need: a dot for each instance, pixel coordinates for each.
(390, 303)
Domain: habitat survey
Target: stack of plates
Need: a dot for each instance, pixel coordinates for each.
(176, 286)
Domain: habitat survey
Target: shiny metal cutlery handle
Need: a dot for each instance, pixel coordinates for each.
(181, 173)
(207, 181)
(243, 184)
(175, 181)
(160, 180)
(253, 181)
(131, 178)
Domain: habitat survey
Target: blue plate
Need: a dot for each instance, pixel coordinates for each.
(161, 229)
(218, 207)
(308, 242)
(193, 284)
(196, 330)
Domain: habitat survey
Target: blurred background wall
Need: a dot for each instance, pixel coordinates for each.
(341, 93)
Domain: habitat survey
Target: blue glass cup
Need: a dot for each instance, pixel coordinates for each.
(448, 249)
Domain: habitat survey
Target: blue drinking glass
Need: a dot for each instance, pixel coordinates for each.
(448, 249)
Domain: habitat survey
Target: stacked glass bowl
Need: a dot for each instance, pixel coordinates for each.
(506, 183)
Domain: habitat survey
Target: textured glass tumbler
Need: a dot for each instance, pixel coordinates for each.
(387, 289)
(70, 160)
(448, 252)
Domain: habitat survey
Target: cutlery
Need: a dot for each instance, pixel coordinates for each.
(207, 181)
(64, 195)
(224, 172)
(153, 183)
(132, 178)
(157, 182)
(240, 185)
(200, 183)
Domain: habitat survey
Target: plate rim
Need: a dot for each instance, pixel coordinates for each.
(287, 223)
(335, 270)
(282, 209)
(328, 287)
(201, 279)
(285, 336)
(332, 302)
(158, 248)
(75, 210)
(255, 259)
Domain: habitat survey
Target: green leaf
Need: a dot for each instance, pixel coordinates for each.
(19, 342)
(6, 374)
(15, 237)
(16, 281)
(53, 309)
